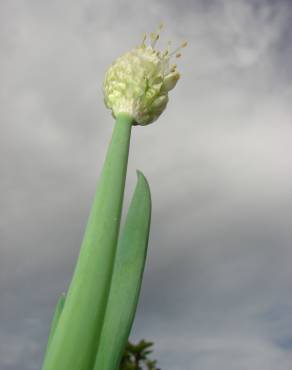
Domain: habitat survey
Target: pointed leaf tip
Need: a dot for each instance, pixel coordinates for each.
(126, 280)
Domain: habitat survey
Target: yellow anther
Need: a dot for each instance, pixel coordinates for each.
(176, 51)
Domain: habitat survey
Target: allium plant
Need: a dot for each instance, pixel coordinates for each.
(92, 323)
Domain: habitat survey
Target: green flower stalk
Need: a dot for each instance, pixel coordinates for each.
(75, 340)
(91, 325)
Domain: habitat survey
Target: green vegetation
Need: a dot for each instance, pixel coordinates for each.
(136, 357)
(92, 323)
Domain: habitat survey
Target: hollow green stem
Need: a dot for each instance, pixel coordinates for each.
(75, 340)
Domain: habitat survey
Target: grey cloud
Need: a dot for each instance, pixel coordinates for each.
(216, 289)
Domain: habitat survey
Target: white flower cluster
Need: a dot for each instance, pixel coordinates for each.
(138, 82)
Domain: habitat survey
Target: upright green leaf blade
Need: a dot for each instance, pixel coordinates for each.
(55, 320)
(126, 280)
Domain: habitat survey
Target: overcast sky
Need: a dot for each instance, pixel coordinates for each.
(217, 287)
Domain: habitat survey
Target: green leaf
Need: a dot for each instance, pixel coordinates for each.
(55, 320)
(126, 280)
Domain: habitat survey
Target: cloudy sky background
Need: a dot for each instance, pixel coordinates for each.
(217, 286)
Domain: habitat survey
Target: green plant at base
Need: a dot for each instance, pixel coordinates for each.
(91, 325)
(136, 357)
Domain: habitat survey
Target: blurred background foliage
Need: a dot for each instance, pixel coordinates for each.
(136, 357)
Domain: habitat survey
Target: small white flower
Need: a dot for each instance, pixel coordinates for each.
(138, 82)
